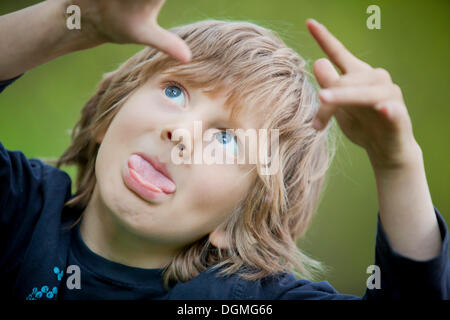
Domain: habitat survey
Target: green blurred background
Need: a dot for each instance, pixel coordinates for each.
(413, 45)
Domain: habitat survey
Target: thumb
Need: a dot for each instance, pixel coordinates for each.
(168, 42)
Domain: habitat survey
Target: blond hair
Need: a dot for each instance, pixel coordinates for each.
(255, 69)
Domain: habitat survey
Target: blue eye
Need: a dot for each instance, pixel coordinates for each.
(175, 93)
(228, 141)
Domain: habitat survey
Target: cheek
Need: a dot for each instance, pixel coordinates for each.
(108, 174)
(143, 111)
(218, 188)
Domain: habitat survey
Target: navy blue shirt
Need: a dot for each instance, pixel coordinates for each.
(37, 246)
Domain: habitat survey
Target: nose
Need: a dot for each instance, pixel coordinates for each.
(179, 138)
(166, 134)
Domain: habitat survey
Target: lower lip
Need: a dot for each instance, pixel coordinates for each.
(132, 182)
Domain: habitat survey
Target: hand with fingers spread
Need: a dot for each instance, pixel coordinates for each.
(367, 105)
(37, 34)
(132, 21)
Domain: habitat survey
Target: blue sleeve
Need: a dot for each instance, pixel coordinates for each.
(400, 277)
(404, 278)
(28, 187)
(20, 182)
(5, 83)
(21, 194)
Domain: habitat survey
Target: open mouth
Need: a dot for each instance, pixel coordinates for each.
(148, 177)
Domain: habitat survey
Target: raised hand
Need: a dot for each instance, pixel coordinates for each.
(130, 21)
(370, 110)
(367, 105)
(37, 34)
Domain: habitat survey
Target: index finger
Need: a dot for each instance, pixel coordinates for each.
(334, 49)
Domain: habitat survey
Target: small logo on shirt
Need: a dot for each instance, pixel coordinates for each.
(73, 282)
(45, 292)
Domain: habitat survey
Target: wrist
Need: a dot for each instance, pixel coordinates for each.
(69, 40)
(92, 20)
(409, 158)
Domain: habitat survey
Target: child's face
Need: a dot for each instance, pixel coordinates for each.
(205, 194)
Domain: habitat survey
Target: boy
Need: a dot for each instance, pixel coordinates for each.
(141, 227)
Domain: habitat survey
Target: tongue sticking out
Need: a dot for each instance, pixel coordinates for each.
(149, 176)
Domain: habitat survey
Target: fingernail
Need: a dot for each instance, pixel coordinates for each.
(314, 21)
(317, 124)
(326, 94)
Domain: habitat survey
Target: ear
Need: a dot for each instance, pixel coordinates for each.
(218, 238)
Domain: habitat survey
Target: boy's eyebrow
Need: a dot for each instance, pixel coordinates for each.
(170, 75)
